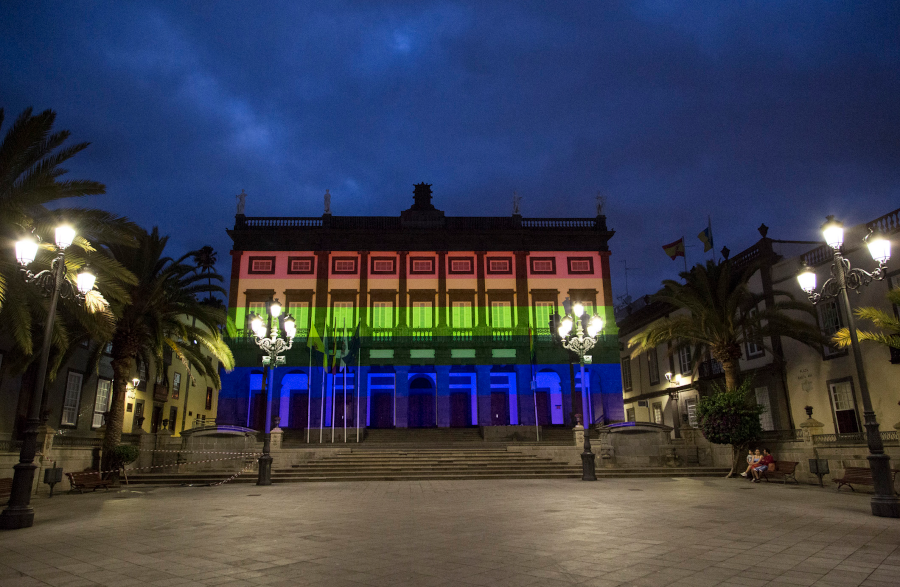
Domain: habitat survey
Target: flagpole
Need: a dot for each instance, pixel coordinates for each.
(685, 256)
(322, 402)
(308, 393)
(344, 393)
(709, 224)
(358, 356)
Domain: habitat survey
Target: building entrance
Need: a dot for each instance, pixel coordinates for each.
(382, 414)
(460, 410)
(421, 403)
(499, 408)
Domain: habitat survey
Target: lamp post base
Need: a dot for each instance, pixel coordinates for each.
(19, 513)
(587, 466)
(265, 470)
(884, 503)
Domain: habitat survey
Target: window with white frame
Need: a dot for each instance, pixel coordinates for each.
(762, 398)
(753, 339)
(343, 315)
(261, 265)
(831, 321)
(626, 373)
(501, 314)
(345, 265)
(653, 365)
(684, 360)
(542, 313)
(461, 315)
(422, 315)
(498, 266)
(460, 265)
(690, 405)
(72, 399)
(101, 402)
(423, 265)
(301, 265)
(299, 311)
(383, 315)
(383, 266)
(844, 405)
(629, 415)
(657, 413)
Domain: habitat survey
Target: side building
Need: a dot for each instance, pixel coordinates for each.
(788, 377)
(449, 310)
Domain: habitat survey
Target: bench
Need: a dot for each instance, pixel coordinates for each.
(784, 470)
(87, 480)
(861, 476)
(5, 489)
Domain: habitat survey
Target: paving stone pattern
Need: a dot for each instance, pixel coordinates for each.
(646, 532)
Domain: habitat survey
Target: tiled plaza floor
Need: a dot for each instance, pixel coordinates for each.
(647, 532)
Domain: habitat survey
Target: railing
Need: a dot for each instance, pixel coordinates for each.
(852, 438)
(62, 440)
(711, 368)
(559, 223)
(279, 222)
(421, 334)
(462, 335)
(819, 255)
(887, 224)
(744, 258)
(395, 223)
(382, 335)
(502, 335)
(203, 423)
(795, 435)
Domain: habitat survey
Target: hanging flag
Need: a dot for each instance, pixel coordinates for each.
(313, 341)
(675, 249)
(325, 350)
(335, 361)
(352, 350)
(706, 238)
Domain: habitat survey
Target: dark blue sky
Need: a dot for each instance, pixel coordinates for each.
(775, 112)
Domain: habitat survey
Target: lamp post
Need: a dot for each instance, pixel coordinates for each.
(673, 395)
(580, 339)
(884, 503)
(19, 513)
(266, 338)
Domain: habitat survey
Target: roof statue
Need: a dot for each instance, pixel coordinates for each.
(516, 199)
(240, 202)
(327, 202)
(601, 201)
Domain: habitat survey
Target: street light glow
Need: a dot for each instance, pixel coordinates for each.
(65, 234)
(86, 279)
(26, 251)
(275, 309)
(290, 327)
(578, 309)
(879, 248)
(833, 231)
(807, 280)
(565, 326)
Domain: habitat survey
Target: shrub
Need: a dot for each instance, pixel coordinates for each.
(728, 416)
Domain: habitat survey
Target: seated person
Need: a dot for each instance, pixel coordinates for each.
(753, 458)
(764, 464)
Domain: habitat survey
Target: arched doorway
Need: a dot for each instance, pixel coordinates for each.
(420, 413)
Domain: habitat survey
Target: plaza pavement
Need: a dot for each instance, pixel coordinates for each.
(647, 532)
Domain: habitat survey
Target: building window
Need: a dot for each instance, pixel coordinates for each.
(345, 265)
(421, 265)
(843, 403)
(684, 360)
(209, 396)
(299, 311)
(261, 265)
(173, 416)
(762, 398)
(72, 399)
(501, 314)
(421, 317)
(581, 265)
(383, 315)
(138, 410)
(343, 315)
(384, 265)
(461, 265)
(101, 403)
(657, 413)
(629, 415)
(543, 265)
(653, 364)
(461, 315)
(176, 385)
(301, 265)
(542, 313)
(626, 373)
(751, 335)
(831, 320)
(499, 265)
(691, 408)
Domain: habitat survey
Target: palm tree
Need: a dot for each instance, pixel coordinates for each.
(164, 314)
(205, 259)
(889, 324)
(30, 158)
(719, 319)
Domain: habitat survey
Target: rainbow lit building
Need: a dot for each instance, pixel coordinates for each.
(453, 316)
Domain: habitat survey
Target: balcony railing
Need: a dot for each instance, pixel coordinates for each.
(710, 368)
(462, 335)
(382, 335)
(795, 435)
(502, 335)
(392, 223)
(888, 437)
(421, 335)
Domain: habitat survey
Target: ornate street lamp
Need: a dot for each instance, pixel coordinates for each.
(673, 395)
(884, 503)
(578, 334)
(19, 513)
(266, 338)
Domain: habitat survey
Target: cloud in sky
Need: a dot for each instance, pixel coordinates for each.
(750, 113)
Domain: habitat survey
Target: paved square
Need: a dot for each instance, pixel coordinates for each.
(647, 532)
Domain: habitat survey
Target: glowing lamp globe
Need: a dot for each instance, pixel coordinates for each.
(833, 231)
(807, 280)
(879, 248)
(275, 309)
(290, 327)
(65, 234)
(26, 251)
(85, 280)
(578, 309)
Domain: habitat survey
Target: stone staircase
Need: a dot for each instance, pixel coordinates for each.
(419, 464)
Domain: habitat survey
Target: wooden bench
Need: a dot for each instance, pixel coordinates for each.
(87, 480)
(5, 489)
(861, 476)
(784, 470)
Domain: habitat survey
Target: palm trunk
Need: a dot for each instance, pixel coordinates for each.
(115, 420)
(736, 452)
(732, 373)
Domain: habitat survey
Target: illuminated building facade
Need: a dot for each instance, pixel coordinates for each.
(449, 310)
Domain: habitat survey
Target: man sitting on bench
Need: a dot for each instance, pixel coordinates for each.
(764, 464)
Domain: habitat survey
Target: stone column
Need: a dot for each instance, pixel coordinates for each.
(525, 394)
(401, 396)
(483, 391)
(443, 395)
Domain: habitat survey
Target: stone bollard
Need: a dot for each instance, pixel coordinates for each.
(579, 435)
(276, 436)
(811, 428)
